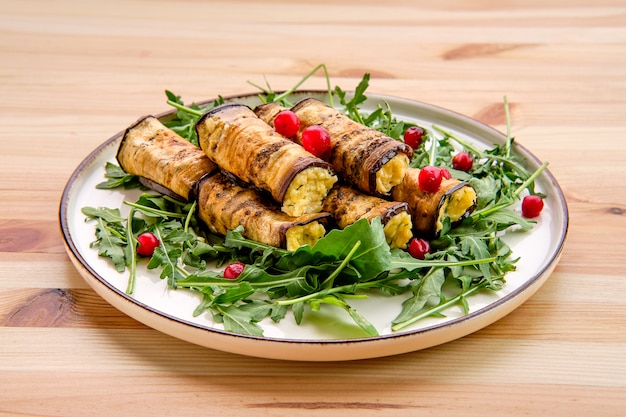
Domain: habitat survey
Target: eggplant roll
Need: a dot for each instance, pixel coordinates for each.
(347, 205)
(162, 159)
(223, 205)
(454, 200)
(240, 143)
(364, 157)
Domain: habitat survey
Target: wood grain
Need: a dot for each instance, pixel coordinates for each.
(74, 74)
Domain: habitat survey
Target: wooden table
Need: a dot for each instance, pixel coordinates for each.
(75, 73)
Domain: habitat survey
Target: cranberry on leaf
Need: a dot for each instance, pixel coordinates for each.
(462, 161)
(147, 243)
(233, 270)
(413, 136)
(418, 248)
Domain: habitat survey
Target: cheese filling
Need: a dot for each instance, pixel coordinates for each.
(456, 205)
(307, 234)
(307, 190)
(398, 230)
(392, 173)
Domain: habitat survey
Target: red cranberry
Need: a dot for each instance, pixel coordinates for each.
(429, 179)
(233, 270)
(287, 123)
(462, 161)
(147, 243)
(316, 140)
(413, 136)
(418, 248)
(532, 206)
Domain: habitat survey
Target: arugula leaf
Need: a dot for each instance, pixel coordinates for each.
(428, 288)
(371, 258)
(110, 238)
(117, 177)
(359, 97)
(238, 320)
(357, 317)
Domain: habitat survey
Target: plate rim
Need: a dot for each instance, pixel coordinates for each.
(521, 293)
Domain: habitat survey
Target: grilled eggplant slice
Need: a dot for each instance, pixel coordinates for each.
(364, 157)
(455, 200)
(162, 159)
(224, 204)
(347, 205)
(239, 142)
(268, 112)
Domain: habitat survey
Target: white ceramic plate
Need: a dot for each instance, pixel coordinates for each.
(328, 335)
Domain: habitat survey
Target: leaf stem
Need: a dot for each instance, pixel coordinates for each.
(530, 179)
(306, 77)
(132, 267)
(186, 109)
(331, 278)
(157, 212)
(460, 141)
(520, 169)
(415, 264)
(432, 154)
(192, 209)
(440, 307)
(351, 288)
(171, 282)
(230, 283)
(492, 209)
(509, 139)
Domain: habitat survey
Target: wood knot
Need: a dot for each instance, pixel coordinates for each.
(19, 239)
(29, 236)
(494, 114)
(475, 50)
(47, 308)
(616, 210)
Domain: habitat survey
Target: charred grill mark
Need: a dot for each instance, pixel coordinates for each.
(358, 151)
(223, 205)
(424, 207)
(167, 162)
(262, 158)
(251, 149)
(347, 205)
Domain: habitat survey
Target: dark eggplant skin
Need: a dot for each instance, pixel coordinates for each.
(347, 205)
(268, 112)
(224, 204)
(357, 151)
(162, 159)
(170, 165)
(425, 207)
(238, 141)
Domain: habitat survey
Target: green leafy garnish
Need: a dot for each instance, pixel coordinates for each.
(347, 264)
(117, 178)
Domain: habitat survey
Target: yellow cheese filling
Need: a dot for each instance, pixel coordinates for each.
(392, 173)
(398, 230)
(307, 190)
(456, 205)
(305, 234)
